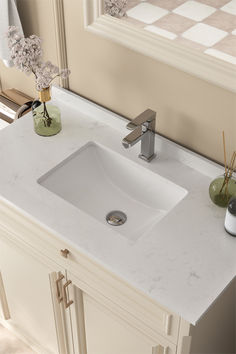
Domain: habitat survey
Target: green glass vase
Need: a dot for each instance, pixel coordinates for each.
(47, 117)
(222, 189)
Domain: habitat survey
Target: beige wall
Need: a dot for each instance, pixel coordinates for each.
(190, 111)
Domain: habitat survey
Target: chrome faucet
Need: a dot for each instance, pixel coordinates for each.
(143, 127)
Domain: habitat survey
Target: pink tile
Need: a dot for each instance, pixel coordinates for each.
(222, 20)
(131, 4)
(187, 43)
(175, 23)
(214, 3)
(167, 4)
(227, 45)
(133, 22)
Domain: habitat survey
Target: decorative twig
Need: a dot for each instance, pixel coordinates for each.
(229, 169)
(232, 164)
(47, 118)
(223, 133)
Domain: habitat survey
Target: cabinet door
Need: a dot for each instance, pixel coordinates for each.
(106, 333)
(100, 330)
(29, 297)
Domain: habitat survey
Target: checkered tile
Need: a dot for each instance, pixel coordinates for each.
(206, 25)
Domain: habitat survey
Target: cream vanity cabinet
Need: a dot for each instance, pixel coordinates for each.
(62, 302)
(29, 296)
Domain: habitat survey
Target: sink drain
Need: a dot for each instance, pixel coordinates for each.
(116, 218)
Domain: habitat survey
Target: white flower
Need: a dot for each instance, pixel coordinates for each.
(26, 54)
(64, 73)
(115, 7)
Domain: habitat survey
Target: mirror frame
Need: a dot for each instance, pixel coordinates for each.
(191, 61)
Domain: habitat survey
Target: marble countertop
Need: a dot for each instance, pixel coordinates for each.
(183, 263)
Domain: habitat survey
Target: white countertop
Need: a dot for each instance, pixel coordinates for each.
(185, 261)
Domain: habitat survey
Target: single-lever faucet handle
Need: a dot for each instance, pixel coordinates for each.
(143, 128)
(147, 116)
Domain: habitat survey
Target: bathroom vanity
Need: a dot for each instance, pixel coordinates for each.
(162, 283)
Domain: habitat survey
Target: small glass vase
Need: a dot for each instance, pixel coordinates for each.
(222, 189)
(47, 117)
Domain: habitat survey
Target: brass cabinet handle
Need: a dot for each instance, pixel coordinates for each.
(66, 302)
(65, 252)
(59, 296)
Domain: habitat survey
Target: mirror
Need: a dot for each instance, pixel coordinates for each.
(196, 36)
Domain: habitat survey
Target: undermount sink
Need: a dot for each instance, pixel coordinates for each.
(97, 180)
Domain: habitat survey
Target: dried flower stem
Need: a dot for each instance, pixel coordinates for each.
(223, 133)
(229, 169)
(47, 118)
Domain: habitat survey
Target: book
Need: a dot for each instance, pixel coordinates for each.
(10, 101)
(16, 96)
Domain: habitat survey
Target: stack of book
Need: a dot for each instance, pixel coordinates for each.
(10, 101)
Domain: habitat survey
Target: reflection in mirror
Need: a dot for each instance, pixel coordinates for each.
(208, 26)
(116, 8)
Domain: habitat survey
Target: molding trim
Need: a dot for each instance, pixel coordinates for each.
(3, 300)
(184, 343)
(78, 320)
(59, 315)
(195, 63)
(58, 14)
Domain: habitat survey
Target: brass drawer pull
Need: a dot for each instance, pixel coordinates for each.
(59, 296)
(65, 252)
(66, 302)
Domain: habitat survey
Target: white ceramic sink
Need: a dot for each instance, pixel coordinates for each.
(98, 180)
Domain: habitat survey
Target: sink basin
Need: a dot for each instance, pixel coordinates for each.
(97, 180)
